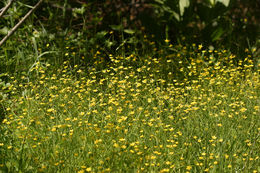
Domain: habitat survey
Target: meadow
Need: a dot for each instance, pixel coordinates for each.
(192, 110)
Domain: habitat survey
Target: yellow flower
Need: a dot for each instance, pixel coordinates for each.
(219, 125)
(116, 145)
(88, 169)
(188, 168)
(50, 110)
(164, 170)
(214, 137)
(167, 41)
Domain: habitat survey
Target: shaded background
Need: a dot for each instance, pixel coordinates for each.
(90, 26)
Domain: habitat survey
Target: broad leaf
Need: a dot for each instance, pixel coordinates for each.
(225, 2)
(101, 34)
(4, 30)
(212, 2)
(129, 31)
(183, 4)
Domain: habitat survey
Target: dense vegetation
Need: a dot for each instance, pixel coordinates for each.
(130, 86)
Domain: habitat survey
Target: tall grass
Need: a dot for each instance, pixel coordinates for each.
(180, 112)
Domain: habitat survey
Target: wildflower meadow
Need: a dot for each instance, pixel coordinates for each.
(135, 115)
(137, 86)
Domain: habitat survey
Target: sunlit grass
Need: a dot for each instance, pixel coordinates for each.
(161, 114)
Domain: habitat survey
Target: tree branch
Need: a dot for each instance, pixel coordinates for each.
(19, 23)
(3, 10)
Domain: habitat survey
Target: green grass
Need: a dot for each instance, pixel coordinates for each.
(164, 114)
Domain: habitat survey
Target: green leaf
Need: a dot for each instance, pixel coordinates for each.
(8, 165)
(216, 35)
(159, 1)
(176, 16)
(183, 4)
(129, 31)
(101, 34)
(212, 2)
(116, 27)
(3, 74)
(109, 43)
(79, 10)
(225, 2)
(4, 30)
(132, 40)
